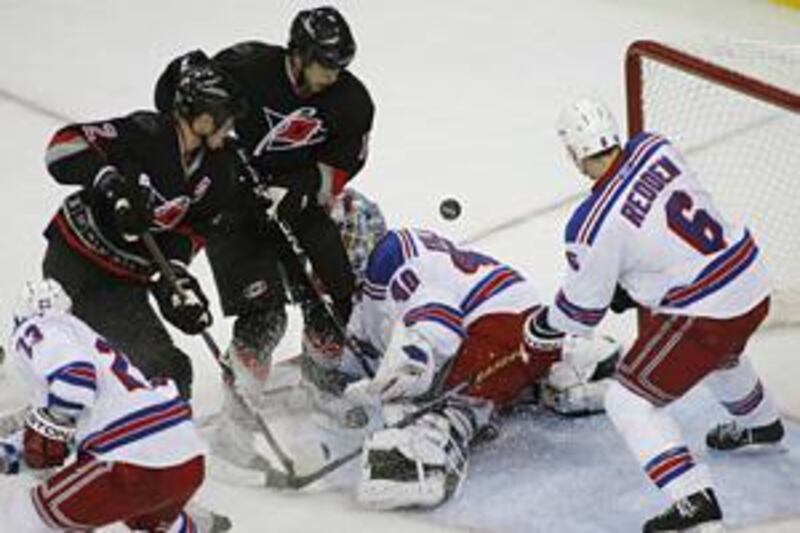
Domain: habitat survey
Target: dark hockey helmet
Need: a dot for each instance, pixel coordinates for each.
(205, 88)
(322, 35)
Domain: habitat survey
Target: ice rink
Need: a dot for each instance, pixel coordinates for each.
(466, 93)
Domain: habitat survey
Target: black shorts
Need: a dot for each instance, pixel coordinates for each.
(254, 268)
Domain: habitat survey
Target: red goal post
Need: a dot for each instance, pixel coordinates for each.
(733, 108)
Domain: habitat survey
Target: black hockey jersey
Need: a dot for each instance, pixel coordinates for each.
(286, 134)
(187, 197)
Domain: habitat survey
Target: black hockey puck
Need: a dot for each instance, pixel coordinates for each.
(450, 209)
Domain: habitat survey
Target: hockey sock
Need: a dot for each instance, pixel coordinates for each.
(741, 392)
(656, 441)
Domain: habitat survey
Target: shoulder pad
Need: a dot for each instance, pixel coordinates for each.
(385, 259)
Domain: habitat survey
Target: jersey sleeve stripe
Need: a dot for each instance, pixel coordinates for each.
(65, 144)
(55, 401)
(138, 425)
(716, 275)
(493, 283)
(80, 374)
(442, 314)
(585, 316)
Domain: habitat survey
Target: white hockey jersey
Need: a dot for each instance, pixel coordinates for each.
(120, 415)
(418, 279)
(652, 227)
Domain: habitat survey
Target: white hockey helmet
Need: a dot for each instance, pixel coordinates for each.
(587, 127)
(361, 225)
(37, 297)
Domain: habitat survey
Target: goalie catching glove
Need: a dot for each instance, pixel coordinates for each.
(182, 303)
(406, 371)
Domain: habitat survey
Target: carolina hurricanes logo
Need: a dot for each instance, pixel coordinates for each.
(298, 129)
(170, 213)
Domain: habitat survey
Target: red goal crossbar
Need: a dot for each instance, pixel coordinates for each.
(697, 67)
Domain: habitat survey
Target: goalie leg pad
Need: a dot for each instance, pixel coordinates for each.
(420, 465)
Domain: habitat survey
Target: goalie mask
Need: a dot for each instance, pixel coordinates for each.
(38, 297)
(361, 225)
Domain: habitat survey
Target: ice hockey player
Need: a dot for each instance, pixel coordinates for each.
(306, 135)
(437, 323)
(167, 173)
(650, 230)
(126, 432)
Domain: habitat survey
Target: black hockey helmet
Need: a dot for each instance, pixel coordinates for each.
(322, 35)
(205, 88)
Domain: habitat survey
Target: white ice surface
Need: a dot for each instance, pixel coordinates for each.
(467, 92)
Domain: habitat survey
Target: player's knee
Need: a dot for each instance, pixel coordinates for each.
(621, 404)
(260, 330)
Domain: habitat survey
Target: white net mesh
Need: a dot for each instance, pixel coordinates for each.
(745, 150)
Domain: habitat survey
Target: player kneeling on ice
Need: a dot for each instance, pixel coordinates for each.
(650, 232)
(438, 329)
(138, 457)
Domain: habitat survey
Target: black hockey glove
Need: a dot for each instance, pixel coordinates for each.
(182, 304)
(622, 301)
(132, 214)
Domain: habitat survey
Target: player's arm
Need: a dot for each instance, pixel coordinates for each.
(66, 385)
(423, 339)
(101, 157)
(346, 151)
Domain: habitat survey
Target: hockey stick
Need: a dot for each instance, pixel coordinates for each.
(278, 480)
(306, 266)
(228, 376)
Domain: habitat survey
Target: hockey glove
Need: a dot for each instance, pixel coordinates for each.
(406, 371)
(538, 338)
(183, 303)
(46, 439)
(622, 301)
(125, 198)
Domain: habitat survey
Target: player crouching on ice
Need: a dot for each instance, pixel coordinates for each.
(650, 230)
(139, 458)
(439, 329)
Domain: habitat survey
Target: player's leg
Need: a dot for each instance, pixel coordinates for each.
(423, 463)
(664, 362)
(321, 240)
(251, 289)
(737, 386)
(90, 494)
(111, 306)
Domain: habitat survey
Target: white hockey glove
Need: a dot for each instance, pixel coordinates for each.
(406, 371)
(576, 385)
(420, 465)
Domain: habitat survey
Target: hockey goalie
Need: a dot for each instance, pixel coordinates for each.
(434, 342)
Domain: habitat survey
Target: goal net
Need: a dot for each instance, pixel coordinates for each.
(733, 109)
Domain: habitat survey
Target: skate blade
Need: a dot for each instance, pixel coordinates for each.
(708, 527)
(754, 449)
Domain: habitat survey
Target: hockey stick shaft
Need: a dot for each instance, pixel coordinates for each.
(307, 268)
(213, 347)
(300, 482)
(476, 379)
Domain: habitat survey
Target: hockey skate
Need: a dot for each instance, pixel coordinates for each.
(208, 521)
(732, 436)
(698, 512)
